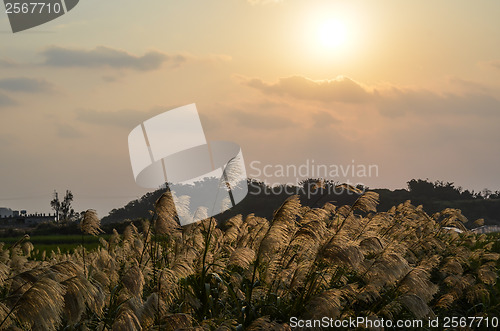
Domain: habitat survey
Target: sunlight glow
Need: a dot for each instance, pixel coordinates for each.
(332, 34)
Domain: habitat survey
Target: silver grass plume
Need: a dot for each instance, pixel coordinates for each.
(182, 205)
(369, 293)
(4, 272)
(479, 222)
(177, 321)
(169, 279)
(386, 270)
(149, 311)
(103, 261)
(133, 280)
(391, 310)
(138, 245)
(242, 257)
(348, 187)
(18, 262)
(430, 262)
(489, 246)
(80, 293)
(66, 269)
(371, 245)
(367, 202)
(453, 267)
(417, 282)
(129, 233)
(27, 248)
(329, 207)
(459, 283)
(282, 227)
(152, 308)
(167, 215)
(328, 303)
(201, 213)
(304, 244)
(101, 279)
(451, 217)
(265, 324)
(300, 272)
(256, 229)
(487, 275)
(417, 306)
(114, 240)
(312, 227)
(40, 306)
(478, 293)
(233, 228)
(104, 243)
(126, 321)
(348, 254)
(488, 256)
(447, 300)
(4, 254)
(225, 204)
(450, 214)
(91, 224)
(4, 312)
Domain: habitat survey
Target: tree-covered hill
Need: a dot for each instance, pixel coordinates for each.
(263, 200)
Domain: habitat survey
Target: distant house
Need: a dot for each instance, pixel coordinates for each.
(6, 212)
(487, 229)
(15, 218)
(38, 219)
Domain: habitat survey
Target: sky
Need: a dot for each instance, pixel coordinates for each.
(411, 87)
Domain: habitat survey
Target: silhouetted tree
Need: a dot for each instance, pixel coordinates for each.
(66, 211)
(56, 205)
(63, 208)
(420, 188)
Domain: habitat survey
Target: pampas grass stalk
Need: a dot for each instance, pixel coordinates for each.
(90, 224)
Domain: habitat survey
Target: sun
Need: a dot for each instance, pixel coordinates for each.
(331, 34)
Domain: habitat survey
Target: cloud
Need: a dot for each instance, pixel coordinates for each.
(340, 89)
(324, 119)
(126, 118)
(469, 85)
(263, 2)
(27, 85)
(108, 57)
(109, 78)
(390, 101)
(6, 100)
(493, 63)
(262, 121)
(8, 63)
(67, 131)
(427, 103)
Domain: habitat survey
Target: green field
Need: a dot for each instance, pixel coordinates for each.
(49, 243)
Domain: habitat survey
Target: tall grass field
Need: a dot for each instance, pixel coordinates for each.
(253, 273)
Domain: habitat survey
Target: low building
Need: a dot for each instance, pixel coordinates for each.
(14, 218)
(38, 219)
(6, 212)
(486, 229)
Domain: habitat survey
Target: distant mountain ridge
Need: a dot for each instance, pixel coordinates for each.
(263, 200)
